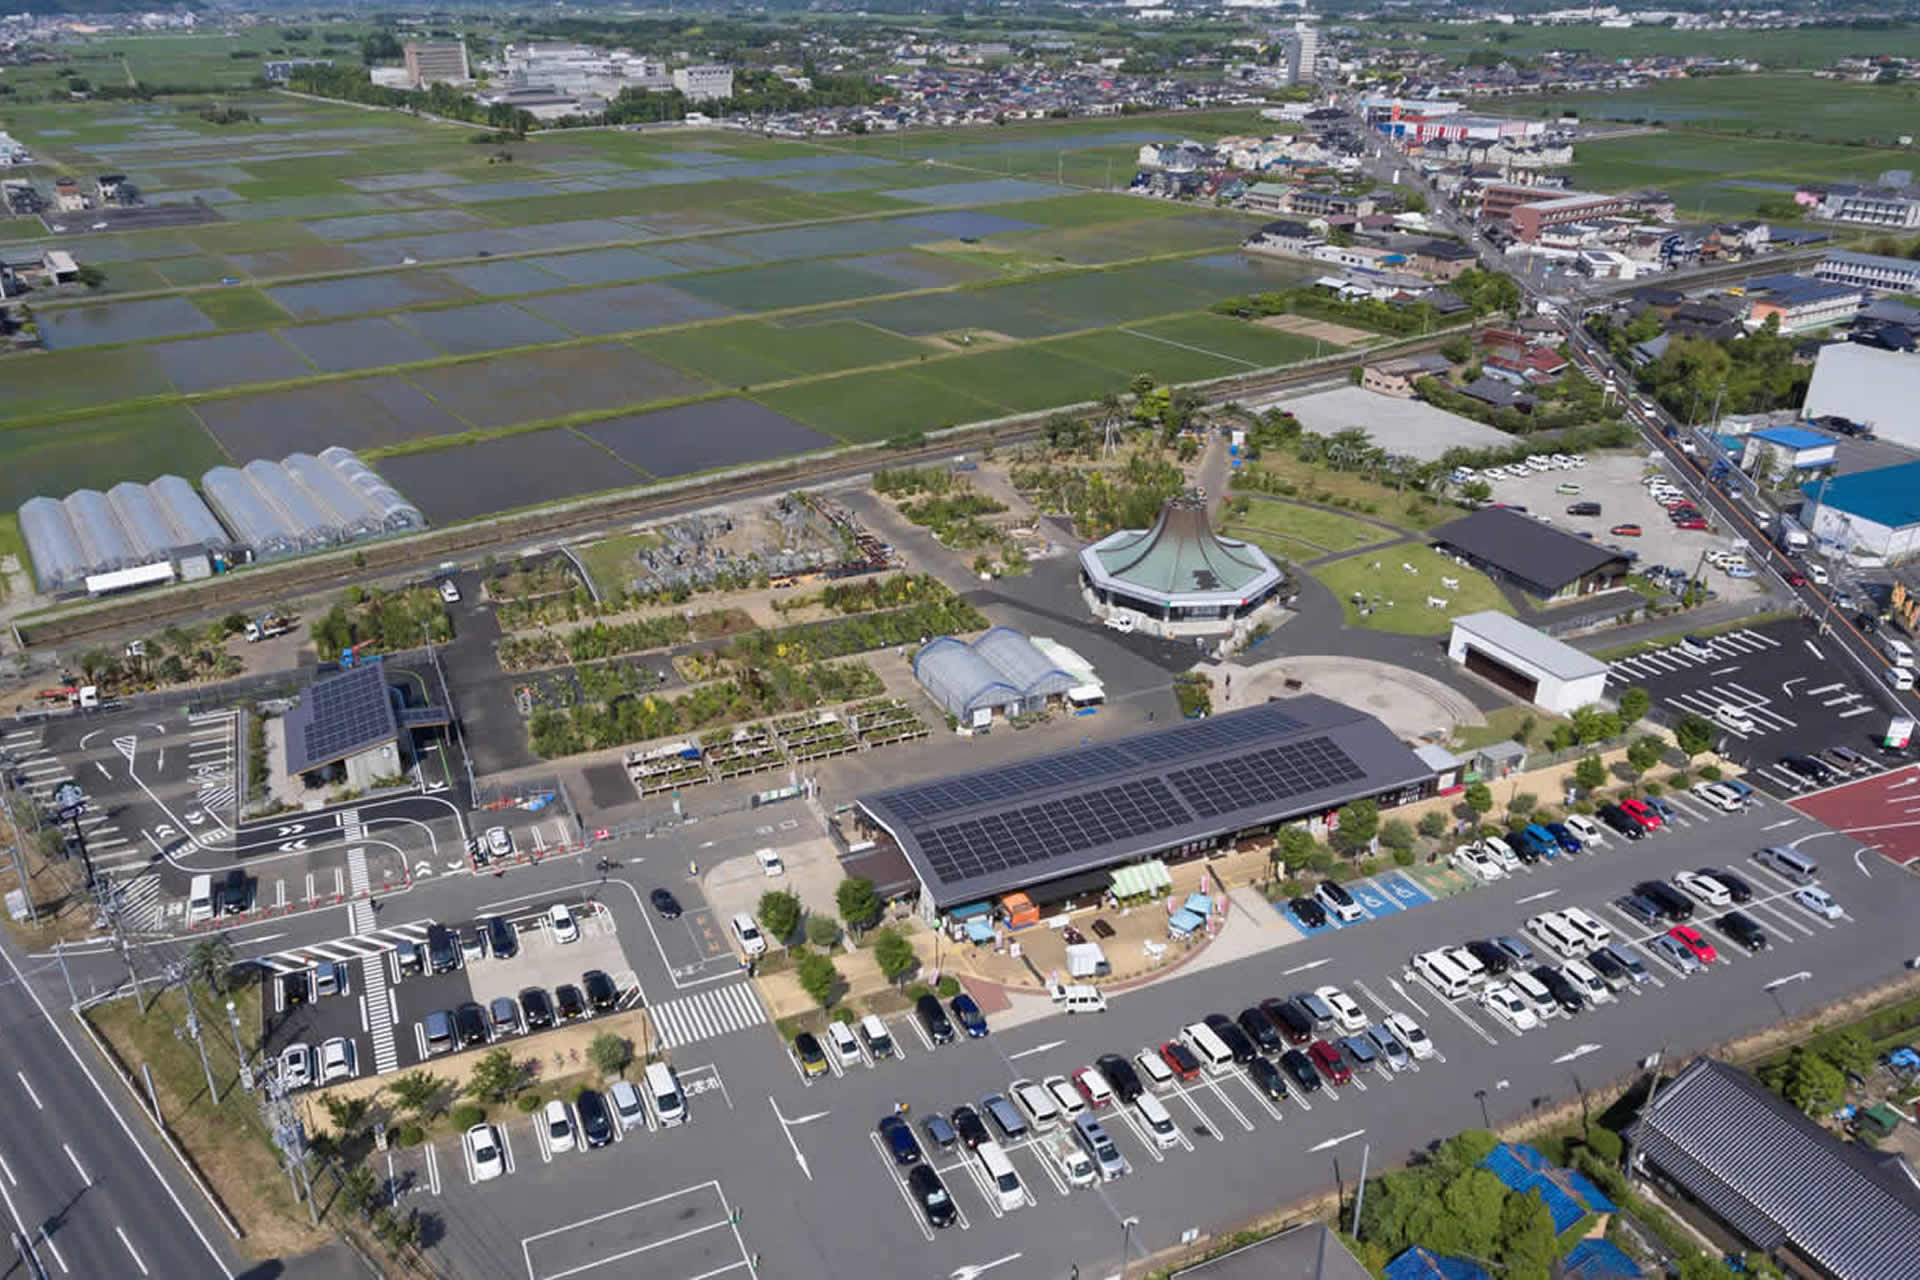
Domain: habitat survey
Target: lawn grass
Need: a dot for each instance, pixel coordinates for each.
(1504, 723)
(1316, 526)
(99, 452)
(1279, 548)
(1403, 508)
(610, 562)
(237, 308)
(1399, 599)
(225, 1139)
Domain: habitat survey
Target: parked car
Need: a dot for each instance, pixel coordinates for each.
(1676, 955)
(1267, 1078)
(808, 1053)
(966, 1011)
(536, 1010)
(939, 1131)
(1293, 1022)
(627, 1107)
(1491, 957)
(1259, 1028)
(1308, 912)
(1743, 929)
(1300, 1069)
(470, 1024)
(896, 1135)
(559, 1125)
(1238, 1043)
(1516, 949)
(296, 1066)
(1180, 1060)
(1818, 901)
(933, 1019)
(1410, 1034)
(561, 924)
(1504, 1003)
(1641, 812)
(483, 1151)
(1620, 821)
(1584, 827)
(1639, 908)
(596, 1123)
(931, 1195)
(571, 1004)
(967, 1123)
(502, 940)
(1674, 906)
(845, 1045)
(1564, 837)
(1119, 1073)
(602, 995)
(1328, 1060)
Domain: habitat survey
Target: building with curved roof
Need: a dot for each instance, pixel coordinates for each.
(1180, 574)
(1001, 671)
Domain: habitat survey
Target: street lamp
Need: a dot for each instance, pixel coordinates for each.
(1126, 1242)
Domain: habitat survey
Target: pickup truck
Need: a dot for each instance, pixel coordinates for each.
(1073, 1162)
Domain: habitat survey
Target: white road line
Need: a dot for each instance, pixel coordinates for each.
(52, 1248)
(77, 1166)
(30, 1093)
(132, 1252)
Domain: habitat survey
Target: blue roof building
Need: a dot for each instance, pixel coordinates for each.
(1569, 1196)
(1786, 448)
(1872, 511)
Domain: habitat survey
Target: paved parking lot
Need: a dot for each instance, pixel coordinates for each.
(689, 1232)
(1614, 481)
(1881, 812)
(1799, 693)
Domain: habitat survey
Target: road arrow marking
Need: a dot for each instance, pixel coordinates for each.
(1302, 968)
(1334, 1142)
(290, 829)
(1579, 1051)
(1039, 1048)
(1534, 897)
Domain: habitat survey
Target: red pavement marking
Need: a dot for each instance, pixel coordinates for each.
(1881, 812)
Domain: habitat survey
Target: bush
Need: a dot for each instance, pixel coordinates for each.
(1710, 773)
(1405, 857)
(466, 1115)
(778, 913)
(948, 988)
(917, 990)
(1604, 1143)
(1433, 824)
(529, 1103)
(412, 1135)
(822, 930)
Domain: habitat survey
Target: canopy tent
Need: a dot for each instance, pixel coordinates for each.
(970, 910)
(979, 929)
(1183, 922)
(1086, 960)
(1142, 880)
(1199, 903)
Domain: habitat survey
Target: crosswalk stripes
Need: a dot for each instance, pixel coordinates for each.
(358, 884)
(372, 944)
(706, 1014)
(140, 904)
(373, 988)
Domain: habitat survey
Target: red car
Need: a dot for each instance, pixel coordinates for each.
(1690, 939)
(1097, 1095)
(1796, 579)
(1641, 813)
(1328, 1059)
(1178, 1057)
(1625, 531)
(1690, 522)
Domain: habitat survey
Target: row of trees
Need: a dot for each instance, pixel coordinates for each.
(782, 915)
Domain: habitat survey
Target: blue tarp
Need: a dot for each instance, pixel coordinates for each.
(1594, 1198)
(1421, 1264)
(1199, 903)
(980, 930)
(1524, 1169)
(1598, 1260)
(1184, 922)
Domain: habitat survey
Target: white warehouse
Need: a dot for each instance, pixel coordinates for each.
(1527, 663)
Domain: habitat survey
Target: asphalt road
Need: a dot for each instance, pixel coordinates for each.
(88, 1196)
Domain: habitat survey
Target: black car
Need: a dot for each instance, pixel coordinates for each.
(1808, 769)
(501, 939)
(1119, 1073)
(1621, 821)
(665, 903)
(1639, 908)
(967, 1012)
(296, 988)
(1233, 1037)
(1737, 889)
(967, 1123)
(1260, 1029)
(443, 949)
(1491, 958)
(470, 1024)
(1602, 962)
(1673, 904)
(595, 1123)
(931, 1194)
(1742, 928)
(1268, 1078)
(239, 892)
(536, 1010)
(1564, 993)
(934, 1019)
(602, 995)
(1308, 912)
(572, 1005)
(897, 1136)
(1300, 1067)
(1290, 1019)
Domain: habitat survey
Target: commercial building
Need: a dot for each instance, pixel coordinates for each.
(1002, 671)
(1531, 219)
(354, 729)
(1797, 304)
(1869, 271)
(1532, 555)
(1396, 378)
(1526, 662)
(1875, 388)
(1179, 577)
(436, 63)
(1751, 1170)
(710, 83)
(1064, 825)
(1869, 206)
(1873, 511)
(1785, 449)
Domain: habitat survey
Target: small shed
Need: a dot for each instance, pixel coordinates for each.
(1526, 662)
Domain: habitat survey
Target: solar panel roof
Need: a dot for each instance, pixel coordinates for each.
(1019, 824)
(340, 716)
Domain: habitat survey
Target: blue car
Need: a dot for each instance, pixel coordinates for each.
(1542, 840)
(1568, 842)
(1666, 811)
(1738, 788)
(968, 1015)
(899, 1140)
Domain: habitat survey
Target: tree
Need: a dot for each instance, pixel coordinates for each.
(1396, 834)
(1296, 845)
(1590, 774)
(1433, 824)
(817, 977)
(1526, 1235)
(1479, 798)
(1845, 1049)
(859, 905)
(209, 961)
(1359, 823)
(415, 1093)
(1645, 752)
(1694, 734)
(346, 1114)
(610, 1053)
(1477, 491)
(778, 913)
(493, 1077)
(822, 929)
(1522, 804)
(1810, 1082)
(894, 954)
(1634, 703)
(1594, 724)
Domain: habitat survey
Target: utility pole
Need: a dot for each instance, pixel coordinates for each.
(1360, 1192)
(107, 897)
(192, 1028)
(288, 1135)
(239, 1051)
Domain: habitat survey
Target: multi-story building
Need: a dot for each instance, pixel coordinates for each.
(707, 83)
(1798, 304)
(1875, 206)
(442, 62)
(1532, 210)
(1869, 271)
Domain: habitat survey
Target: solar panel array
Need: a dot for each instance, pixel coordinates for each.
(1042, 832)
(348, 713)
(1214, 733)
(1261, 777)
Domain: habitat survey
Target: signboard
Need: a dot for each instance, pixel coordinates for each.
(16, 904)
(1899, 732)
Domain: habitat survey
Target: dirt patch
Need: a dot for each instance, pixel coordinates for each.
(977, 340)
(1326, 330)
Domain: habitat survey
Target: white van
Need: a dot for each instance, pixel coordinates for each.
(1899, 679)
(1208, 1047)
(1159, 1075)
(1442, 974)
(1791, 863)
(1042, 1112)
(200, 900)
(1000, 1172)
(1594, 931)
(1897, 649)
(1535, 993)
(1586, 982)
(1078, 998)
(1467, 963)
(1552, 928)
(663, 1091)
(1160, 1126)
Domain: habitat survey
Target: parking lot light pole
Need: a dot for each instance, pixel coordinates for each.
(1126, 1242)
(239, 1052)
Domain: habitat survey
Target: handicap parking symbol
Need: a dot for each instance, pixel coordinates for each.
(1374, 904)
(1404, 891)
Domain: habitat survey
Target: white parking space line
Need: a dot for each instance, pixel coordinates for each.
(1213, 1084)
(1454, 1009)
(433, 1169)
(1124, 1114)
(893, 1176)
(1247, 1083)
(1206, 1122)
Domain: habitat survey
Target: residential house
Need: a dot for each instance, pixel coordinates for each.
(1714, 321)
(1327, 204)
(1268, 197)
(1442, 259)
(1497, 394)
(1282, 237)
(1396, 378)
